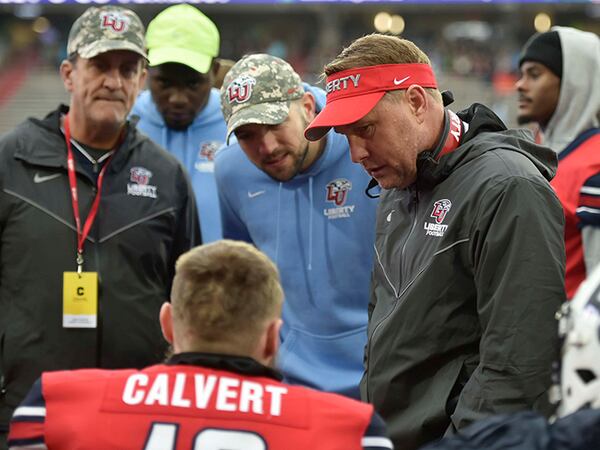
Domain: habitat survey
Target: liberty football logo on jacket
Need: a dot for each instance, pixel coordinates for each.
(139, 187)
(440, 209)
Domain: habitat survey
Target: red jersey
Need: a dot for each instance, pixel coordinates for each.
(181, 405)
(577, 185)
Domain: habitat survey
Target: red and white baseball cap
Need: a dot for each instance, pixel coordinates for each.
(353, 93)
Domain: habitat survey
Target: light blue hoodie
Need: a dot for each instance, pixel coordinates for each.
(323, 250)
(195, 147)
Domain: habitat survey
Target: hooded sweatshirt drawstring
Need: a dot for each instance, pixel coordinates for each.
(164, 137)
(187, 156)
(278, 222)
(310, 223)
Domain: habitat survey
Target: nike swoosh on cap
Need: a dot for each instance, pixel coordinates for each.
(397, 81)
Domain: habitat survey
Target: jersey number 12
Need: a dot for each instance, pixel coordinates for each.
(163, 436)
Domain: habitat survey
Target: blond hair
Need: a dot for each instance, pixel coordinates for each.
(375, 49)
(223, 295)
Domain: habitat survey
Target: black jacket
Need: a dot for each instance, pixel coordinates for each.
(468, 274)
(528, 431)
(142, 226)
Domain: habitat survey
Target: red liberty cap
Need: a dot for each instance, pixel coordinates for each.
(353, 93)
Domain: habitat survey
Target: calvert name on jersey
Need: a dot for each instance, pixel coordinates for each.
(186, 390)
(184, 405)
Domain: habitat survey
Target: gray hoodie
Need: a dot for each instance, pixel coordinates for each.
(578, 109)
(578, 106)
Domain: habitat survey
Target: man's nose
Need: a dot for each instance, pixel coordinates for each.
(268, 143)
(358, 151)
(177, 97)
(113, 79)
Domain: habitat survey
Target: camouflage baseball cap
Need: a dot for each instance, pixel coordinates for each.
(259, 89)
(100, 30)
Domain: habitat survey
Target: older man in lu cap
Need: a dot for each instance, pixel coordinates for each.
(303, 204)
(469, 267)
(93, 215)
(181, 110)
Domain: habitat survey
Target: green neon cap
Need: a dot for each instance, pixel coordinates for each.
(182, 34)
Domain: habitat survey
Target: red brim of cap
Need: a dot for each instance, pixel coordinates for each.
(342, 111)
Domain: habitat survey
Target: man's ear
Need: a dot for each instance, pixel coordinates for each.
(271, 341)
(219, 69)
(66, 70)
(215, 66)
(143, 77)
(309, 106)
(166, 321)
(418, 100)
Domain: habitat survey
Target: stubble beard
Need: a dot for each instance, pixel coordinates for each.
(296, 167)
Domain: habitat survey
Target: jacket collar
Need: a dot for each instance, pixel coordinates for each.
(46, 146)
(433, 167)
(239, 364)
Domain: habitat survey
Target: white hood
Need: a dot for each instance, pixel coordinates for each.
(578, 106)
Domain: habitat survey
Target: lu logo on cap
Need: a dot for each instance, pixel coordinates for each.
(240, 89)
(118, 22)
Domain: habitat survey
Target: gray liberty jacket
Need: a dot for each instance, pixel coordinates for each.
(468, 274)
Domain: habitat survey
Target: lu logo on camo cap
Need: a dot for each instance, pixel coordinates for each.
(100, 30)
(259, 89)
(182, 34)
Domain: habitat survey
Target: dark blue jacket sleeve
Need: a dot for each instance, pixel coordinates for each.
(527, 431)
(375, 437)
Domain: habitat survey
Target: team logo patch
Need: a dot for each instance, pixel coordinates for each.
(337, 193)
(119, 23)
(139, 175)
(208, 150)
(240, 89)
(205, 162)
(139, 178)
(440, 209)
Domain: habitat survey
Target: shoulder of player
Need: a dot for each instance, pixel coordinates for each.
(335, 401)
(83, 376)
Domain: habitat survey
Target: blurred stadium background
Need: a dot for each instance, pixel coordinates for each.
(474, 44)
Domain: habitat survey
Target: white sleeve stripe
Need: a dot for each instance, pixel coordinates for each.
(29, 447)
(382, 442)
(588, 210)
(30, 411)
(590, 190)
